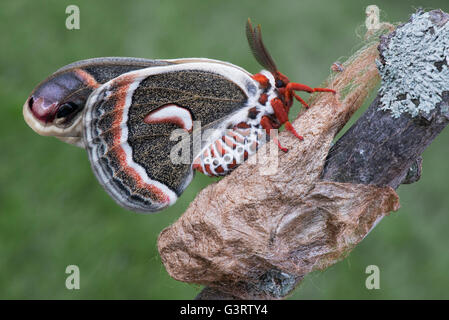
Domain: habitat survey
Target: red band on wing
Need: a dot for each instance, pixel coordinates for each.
(121, 94)
(87, 78)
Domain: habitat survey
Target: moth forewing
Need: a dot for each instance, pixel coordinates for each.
(128, 122)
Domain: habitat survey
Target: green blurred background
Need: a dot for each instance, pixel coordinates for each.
(53, 213)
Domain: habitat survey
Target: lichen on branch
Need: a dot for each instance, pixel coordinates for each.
(414, 66)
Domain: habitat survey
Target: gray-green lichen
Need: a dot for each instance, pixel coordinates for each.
(415, 63)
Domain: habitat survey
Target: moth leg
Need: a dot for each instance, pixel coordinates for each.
(268, 125)
(279, 110)
(290, 128)
(282, 115)
(300, 100)
(293, 86)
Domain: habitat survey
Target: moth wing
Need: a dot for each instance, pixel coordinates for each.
(72, 85)
(129, 122)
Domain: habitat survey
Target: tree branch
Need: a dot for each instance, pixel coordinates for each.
(257, 233)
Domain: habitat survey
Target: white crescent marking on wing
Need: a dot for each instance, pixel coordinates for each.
(173, 114)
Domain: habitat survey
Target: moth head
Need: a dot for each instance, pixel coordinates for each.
(55, 106)
(260, 52)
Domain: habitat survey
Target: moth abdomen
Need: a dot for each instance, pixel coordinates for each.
(235, 146)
